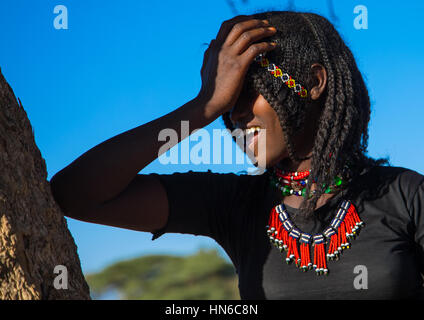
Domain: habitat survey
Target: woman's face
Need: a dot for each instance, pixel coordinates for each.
(264, 137)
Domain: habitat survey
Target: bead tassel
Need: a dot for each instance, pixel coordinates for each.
(332, 251)
(290, 254)
(305, 257)
(296, 252)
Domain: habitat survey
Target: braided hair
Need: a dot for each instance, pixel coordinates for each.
(342, 133)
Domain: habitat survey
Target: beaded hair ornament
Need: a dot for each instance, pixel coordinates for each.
(285, 77)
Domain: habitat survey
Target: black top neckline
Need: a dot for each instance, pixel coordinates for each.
(333, 200)
(330, 202)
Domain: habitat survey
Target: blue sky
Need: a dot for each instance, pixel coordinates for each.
(122, 64)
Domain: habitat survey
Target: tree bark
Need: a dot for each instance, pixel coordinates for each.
(34, 237)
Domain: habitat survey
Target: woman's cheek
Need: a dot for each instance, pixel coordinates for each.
(275, 148)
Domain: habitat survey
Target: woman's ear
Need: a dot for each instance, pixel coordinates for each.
(319, 75)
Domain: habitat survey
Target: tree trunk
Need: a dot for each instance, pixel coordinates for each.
(34, 238)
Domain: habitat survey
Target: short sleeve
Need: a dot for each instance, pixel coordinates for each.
(417, 212)
(204, 203)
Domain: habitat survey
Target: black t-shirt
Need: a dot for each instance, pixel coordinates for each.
(386, 260)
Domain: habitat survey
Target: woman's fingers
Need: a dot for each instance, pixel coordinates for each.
(249, 37)
(240, 32)
(255, 49)
(240, 28)
(227, 26)
(243, 39)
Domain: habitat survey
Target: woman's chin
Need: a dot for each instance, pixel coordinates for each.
(258, 158)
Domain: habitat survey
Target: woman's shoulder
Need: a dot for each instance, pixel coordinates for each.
(394, 174)
(389, 181)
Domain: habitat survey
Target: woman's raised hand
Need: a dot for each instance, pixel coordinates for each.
(228, 58)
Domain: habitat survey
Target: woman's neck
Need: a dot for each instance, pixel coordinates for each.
(288, 165)
(293, 200)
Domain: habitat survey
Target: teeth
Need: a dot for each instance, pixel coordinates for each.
(252, 130)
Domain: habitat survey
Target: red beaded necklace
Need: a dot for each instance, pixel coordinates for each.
(283, 233)
(301, 175)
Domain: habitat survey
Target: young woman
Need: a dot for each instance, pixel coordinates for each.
(288, 76)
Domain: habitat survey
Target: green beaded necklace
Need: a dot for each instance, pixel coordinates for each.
(294, 183)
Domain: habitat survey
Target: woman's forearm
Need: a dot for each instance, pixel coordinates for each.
(105, 170)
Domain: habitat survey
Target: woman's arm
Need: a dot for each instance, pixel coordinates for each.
(107, 170)
(103, 186)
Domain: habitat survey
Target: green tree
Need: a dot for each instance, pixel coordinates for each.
(202, 276)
